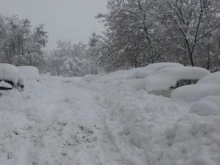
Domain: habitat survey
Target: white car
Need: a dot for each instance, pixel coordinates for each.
(10, 77)
(152, 69)
(164, 81)
(207, 86)
(29, 72)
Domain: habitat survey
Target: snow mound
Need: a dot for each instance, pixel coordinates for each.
(195, 92)
(205, 108)
(148, 129)
(3, 84)
(9, 72)
(213, 78)
(29, 72)
(152, 69)
(192, 141)
(213, 99)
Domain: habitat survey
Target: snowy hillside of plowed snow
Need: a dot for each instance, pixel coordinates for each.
(101, 120)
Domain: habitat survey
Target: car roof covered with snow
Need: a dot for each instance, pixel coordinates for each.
(186, 72)
(152, 69)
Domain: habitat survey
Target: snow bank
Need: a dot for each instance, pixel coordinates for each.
(213, 78)
(195, 92)
(148, 129)
(29, 72)
(213, 99)
(9, 72)
(152, 69)
(191, 141)
(205, 108)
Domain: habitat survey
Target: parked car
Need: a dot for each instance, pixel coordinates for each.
(207, 86)
(153, 68)
(29, 72)
(164, 81)
(10, 77)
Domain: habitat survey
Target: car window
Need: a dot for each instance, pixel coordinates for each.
(184, 82)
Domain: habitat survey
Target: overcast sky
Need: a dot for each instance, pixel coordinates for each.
(64, 19)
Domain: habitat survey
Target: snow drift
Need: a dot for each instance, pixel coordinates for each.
(195, 92)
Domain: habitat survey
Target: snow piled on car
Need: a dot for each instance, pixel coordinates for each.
(9, 72)
(213, 78)
(195, 92)
(152, 69)
(168, 77)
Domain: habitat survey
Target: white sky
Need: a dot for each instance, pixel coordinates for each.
(64, 19)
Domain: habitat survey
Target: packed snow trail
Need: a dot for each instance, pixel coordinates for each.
(102, 120)
(54, 123)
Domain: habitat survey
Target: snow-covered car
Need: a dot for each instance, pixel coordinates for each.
(207, 86)
(10, 77)
(152, 69)
(29, 72)
(164, 81)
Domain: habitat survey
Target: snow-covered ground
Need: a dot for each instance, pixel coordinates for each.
(102, 120)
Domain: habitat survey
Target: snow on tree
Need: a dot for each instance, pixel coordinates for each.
(19, 45)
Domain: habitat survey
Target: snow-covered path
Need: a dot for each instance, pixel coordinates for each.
(55, 123)
(102, 121)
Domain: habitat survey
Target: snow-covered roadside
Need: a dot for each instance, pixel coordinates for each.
(102, 120)
(53, 123)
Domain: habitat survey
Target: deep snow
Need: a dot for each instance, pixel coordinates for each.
(102, 120)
